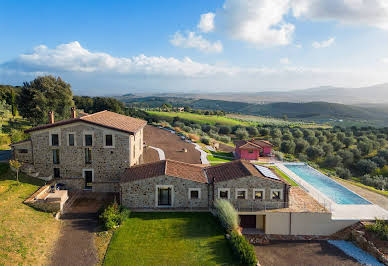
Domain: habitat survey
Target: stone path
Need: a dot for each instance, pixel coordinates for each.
(161, 154)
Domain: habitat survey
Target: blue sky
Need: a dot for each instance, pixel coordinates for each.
(113, 47)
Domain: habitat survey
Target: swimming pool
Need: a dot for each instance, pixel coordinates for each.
(327, 186)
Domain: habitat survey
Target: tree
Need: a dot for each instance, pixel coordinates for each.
(332, 161)
(45, 94)
(287, 147)
(13, 103)
(242, 133)
(366, 166)
(264, 131)
(16, 165)
(365, 147)
(312, 140)
(276, 133)
(253, 131)
(314, 152)
(297, 133)
(225, 130)
(347, 157)
(301, 146)
(348, 141)
(327, 148)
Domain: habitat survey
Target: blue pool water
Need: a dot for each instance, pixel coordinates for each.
(327, 186)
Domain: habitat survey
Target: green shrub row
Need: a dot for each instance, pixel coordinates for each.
(227, 214)
(380, 228)
(242, 249)
(114, 215)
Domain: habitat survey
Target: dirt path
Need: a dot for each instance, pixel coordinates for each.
(373, 197)
(171, 144)
(79, 224)
(302, 253)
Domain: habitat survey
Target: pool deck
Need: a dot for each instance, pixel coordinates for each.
(339, 211)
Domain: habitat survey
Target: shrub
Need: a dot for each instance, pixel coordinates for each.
(343, 173)
(227, 214)
(380, 228)
(113, 216)
(242, 249)
(205, 140)
(279, 155)
(242, 133)
(225, 139)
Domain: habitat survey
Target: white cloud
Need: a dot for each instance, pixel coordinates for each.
(86, 69)
(257, 22)
(298, 46)
(363, 12)
(285, 61)
(384, 60)
(206, 23)
(193, 40)
(324, 44)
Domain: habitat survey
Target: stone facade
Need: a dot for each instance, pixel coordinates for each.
(143, 193)
(22, 152)
(250, 183)
(107, 163)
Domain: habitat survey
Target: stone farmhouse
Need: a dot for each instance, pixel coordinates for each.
(253, 149)
(88, 152)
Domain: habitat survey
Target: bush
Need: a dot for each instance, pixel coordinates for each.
(380, 228)
(205, 140)
(242, 133)
(279, 155)
(227, 214)
(343, 173)
(242, 249)
(113, 216)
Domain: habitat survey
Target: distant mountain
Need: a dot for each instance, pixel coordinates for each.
(377, 94)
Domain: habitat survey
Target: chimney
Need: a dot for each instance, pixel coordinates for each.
(73, 113)
(51, 117)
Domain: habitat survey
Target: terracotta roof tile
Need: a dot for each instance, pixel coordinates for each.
(105, 119)
(165, 167)
(253, 143)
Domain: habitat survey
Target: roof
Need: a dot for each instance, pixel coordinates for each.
(20, 142)
(233, 170)
(105, 118)
(165, 167)
(252, 144)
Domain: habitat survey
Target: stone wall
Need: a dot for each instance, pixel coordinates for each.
(250, 183)
(142, 193)
(107, 163)
(368, 246)
(18, 152)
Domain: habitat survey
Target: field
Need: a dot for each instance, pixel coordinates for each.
(202, 119)
(268, 121)
(169, 239)
(26, 235)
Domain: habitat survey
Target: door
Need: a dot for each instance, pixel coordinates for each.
(164, 196)
(88, 179)
(248, 221)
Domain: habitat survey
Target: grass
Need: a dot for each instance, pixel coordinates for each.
(383, 193)
(219, 156)
(26, 235)
(212, 158)
(203, 119)
(284, 176)
(169, 239)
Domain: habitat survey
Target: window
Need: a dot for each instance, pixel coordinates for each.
(258, 194)
(194, 193)
(164, 196)
(250, 151)
(71, 139)
(55, 156)
(57, 173)
(223, 193)
(22, 151)
(88, 156)
(108, 140)
(276, 194)
(88, 140)
(241, 193)
(89, 178)
(54, 140)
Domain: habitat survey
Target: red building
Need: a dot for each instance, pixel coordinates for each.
(253, 149)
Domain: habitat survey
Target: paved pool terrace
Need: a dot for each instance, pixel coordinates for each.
(341, 209)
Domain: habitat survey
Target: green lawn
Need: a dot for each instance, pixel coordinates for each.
(201, 119)
(26, 236)
(169, 239)
(280, 173)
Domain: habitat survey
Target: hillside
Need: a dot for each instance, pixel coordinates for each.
(311, 111)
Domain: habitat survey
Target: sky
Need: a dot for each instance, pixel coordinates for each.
(117, 47)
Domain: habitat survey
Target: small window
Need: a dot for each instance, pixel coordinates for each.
(55, 156)
(57, 173)
(71, 139)
(54, 140)
(223, 193)
(109, 140)
(88, 156)
(241, 194)
(250, 151)
(88, 140)
(276, 194)
(194, 193)
(22, 151)
(258, 194)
